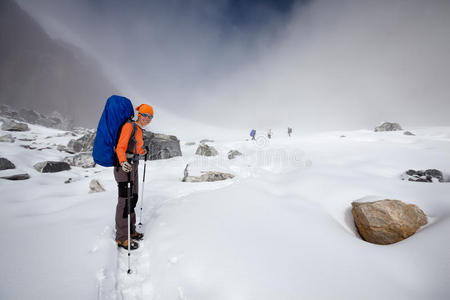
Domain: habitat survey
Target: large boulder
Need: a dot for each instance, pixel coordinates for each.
(387, 126)
(5, 164)
(206, 150)
(83, 160)
(51, 166)
(8, 138)
(11, 125)
(162, 146)
(387, 221)
(429, 175)
(83, 144)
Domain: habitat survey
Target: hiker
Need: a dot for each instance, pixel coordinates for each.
(289, 131)
(269, 133)
(253, 133)
(127, 150)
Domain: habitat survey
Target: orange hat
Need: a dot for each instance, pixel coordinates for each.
(145, 109)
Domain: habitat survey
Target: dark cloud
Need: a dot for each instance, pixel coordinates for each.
(315, 64)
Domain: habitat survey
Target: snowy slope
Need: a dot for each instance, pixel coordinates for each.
(281, 229)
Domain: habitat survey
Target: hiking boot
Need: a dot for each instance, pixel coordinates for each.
(133, 246)
(137, 236)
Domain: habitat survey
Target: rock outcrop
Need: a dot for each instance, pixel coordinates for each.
(53, 120)
(387, 126)
(387, 221)
(429, 175)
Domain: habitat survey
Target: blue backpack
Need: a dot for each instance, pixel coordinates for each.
(118, 110)
(253, 132)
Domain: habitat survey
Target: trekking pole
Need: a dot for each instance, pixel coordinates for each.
(142, 192)
(129, 220)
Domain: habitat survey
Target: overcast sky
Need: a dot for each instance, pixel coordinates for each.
(317, 64)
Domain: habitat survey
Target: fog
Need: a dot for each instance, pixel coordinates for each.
(312, 65)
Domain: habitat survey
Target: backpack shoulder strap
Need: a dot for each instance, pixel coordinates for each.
(132, 141)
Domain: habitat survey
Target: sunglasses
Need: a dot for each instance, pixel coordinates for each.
(146, 115)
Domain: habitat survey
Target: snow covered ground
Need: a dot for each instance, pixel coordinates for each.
(281, 229)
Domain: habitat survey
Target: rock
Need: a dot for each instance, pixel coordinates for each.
(83, 144)
(162, 146)
(68, 180)
(16, 177)
(7, 138)
(11, 125)
(206, 141)
(83, 160)
(45, 148)
(190, 144)
(209, 176)
(387, 221)
(28, 115)
(233, 153)
(435, 174)
(342, 136)
(54, 120)
(386, 126)
(429, 175)
(62, 148)
(5, 164)
(408, 133)
(204, 149)
(51, 166)
(28, 147)
(95, 186)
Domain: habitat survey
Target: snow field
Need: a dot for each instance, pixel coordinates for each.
(281, 229)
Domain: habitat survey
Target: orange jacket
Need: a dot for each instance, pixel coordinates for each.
(122, 145)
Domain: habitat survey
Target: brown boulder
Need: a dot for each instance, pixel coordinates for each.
(387, 221)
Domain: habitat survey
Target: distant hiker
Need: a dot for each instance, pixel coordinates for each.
(128, 148)
(289, 131)
(269, 133)
(253, 133)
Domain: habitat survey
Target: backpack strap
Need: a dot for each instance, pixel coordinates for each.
(132, 150)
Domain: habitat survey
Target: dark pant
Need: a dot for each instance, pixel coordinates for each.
(122, 204)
